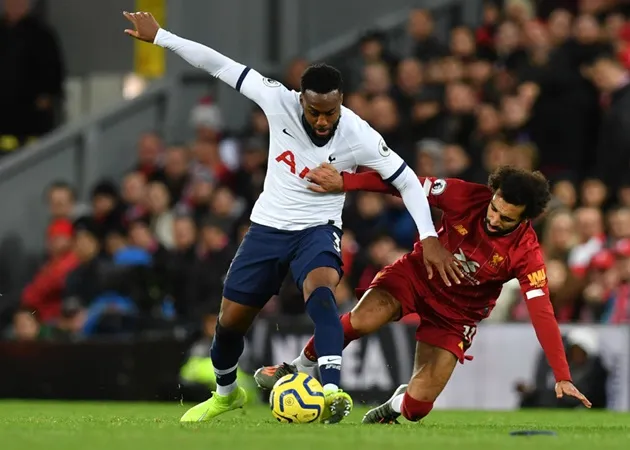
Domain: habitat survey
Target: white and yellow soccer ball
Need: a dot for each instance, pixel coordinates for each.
(297, 398)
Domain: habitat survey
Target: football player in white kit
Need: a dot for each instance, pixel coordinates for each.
(294, 228)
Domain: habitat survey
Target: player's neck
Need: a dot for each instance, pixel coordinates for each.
(317, 140)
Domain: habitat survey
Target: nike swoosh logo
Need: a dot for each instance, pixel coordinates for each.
(287, 133)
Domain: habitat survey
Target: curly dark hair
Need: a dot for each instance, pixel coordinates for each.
(522, 188)
(321, 79)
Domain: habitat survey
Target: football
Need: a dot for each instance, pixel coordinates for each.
(297, 398)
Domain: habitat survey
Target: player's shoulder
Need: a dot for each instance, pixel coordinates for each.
(355, 129)
(526, 250)
(276, 92)
(475, 193)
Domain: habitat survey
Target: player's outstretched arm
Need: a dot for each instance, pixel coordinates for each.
(147, 29)
(326, 179)
(532, 277)
(371, 151)
(367, 181)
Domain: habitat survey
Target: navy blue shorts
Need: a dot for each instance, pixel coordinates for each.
(266, 255)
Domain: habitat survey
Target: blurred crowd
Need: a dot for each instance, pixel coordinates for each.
(539, 84)
(32, 73)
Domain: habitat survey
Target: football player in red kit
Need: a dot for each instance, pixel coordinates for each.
(488, 229)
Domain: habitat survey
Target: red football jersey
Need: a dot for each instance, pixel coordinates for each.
(487, 261)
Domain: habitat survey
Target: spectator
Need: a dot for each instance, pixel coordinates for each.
(84, 282)
(150, 153)
(376, 80)
(617, 307)
(175, 175)
(207, 120)
(294, 73)
(214, 256)
(420, 28)
(31, 79)
(159, 214)
(182, 262)
(107, 209)
(62, 201)
(613, 156)
(372, 50)
(43, 294)
(134, 196)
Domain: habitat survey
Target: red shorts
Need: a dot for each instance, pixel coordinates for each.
(401, 280)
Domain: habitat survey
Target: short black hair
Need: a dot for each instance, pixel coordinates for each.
(521, 187)
(321, 79)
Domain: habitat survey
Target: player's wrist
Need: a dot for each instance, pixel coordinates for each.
(346, 182)
(161, 33)
(427, 235)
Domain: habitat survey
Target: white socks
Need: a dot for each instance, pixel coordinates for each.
(304, 364)
(226, 390)
(397, 402)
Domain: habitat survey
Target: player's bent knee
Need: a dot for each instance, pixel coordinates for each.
(375, 309)
(320, 277)
(415, 409)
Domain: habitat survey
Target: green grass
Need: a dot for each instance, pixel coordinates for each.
(119, 426)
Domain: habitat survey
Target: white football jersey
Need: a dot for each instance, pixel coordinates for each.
(286, 203)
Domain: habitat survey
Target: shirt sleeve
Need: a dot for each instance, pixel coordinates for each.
(264, 91)
(449, 194)
(373, 152)
(532, 277)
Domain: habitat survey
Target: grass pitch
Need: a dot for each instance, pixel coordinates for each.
(120, 426)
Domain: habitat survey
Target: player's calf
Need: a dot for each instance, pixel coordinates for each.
(328, 336)
(375, 309)
(227, 347)
(308, 358)
(229, 342)
(433, 367)
(267, 376)
(413, 409)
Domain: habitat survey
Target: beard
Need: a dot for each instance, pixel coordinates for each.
(497, 231)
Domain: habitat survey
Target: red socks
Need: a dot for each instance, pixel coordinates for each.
(349, 335)
(413, 409)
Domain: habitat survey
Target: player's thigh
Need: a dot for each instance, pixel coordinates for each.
(391, 293)
(316, 259)
(432, 369)
(377, 307)
(258, 268)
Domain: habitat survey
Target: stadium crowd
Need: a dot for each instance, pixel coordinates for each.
(542, 88)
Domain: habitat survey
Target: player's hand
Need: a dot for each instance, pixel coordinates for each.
(325, 179)
(567, 388)
(444, 262)
(146, 27)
